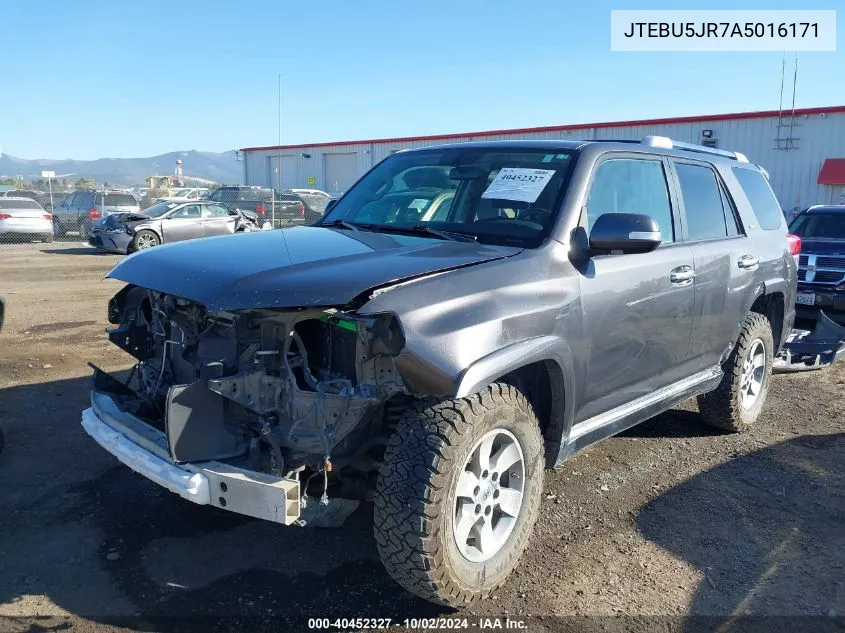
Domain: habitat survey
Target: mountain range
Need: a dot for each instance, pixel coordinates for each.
(218, 167)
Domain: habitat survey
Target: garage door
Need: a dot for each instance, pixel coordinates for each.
(341, 172)
(283, 172)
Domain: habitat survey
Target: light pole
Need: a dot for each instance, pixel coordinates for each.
(49, 175)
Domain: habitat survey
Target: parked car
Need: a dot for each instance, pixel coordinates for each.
(81, 209)
(821, 265)
(165, 223)
(279, 209)
(32, 194)
(51, 201)
(24, 219)
(314, 198)
(573, 290)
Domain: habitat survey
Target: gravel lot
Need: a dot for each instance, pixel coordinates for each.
(669, 519)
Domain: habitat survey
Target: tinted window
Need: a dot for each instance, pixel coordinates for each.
(630, 185)
(702, 198)
(120, 200)
(731, 217)
(191, 211)
(762, 198)
(829, 226)
(25, 203)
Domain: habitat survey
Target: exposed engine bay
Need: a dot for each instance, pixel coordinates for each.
(301, 394)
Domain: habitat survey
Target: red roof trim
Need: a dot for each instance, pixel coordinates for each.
(832, 172)
(558, 128)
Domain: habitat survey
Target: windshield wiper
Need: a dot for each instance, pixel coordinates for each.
(340, 222)
(446, 235)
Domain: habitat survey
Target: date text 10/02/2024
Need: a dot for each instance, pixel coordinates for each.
(420, 624)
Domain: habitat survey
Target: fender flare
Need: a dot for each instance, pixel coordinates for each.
(503, 361)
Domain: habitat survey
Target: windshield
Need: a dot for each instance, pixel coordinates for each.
(830, 226)
(158, 210)
(499, 195)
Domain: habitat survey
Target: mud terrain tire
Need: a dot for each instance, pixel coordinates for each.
(417, 501)
(723, 407)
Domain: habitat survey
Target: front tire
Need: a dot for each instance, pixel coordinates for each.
(459, 493)
(145, 239)
(738, 400)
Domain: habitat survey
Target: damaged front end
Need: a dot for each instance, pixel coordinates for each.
(280, 397)
(806, 350)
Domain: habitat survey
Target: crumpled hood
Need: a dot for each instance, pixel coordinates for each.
(294, 267)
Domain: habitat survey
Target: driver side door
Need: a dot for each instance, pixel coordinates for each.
(185, 223)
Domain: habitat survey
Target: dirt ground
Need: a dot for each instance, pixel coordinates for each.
(669, 519)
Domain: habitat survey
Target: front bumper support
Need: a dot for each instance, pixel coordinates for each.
(142, 448)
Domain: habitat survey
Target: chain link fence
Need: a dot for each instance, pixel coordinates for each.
(56, 210)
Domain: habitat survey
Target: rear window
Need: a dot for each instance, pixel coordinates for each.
(316, 202)
(762, 198)
(26, 203)
(120, 200)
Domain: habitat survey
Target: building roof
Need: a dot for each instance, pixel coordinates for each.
(561, 128)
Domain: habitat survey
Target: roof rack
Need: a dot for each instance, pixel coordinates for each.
(664, 142)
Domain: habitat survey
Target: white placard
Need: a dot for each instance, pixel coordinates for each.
(48, 174)
(519, 184)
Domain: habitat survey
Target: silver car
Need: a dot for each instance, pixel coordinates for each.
(24, 219)
(167, 222)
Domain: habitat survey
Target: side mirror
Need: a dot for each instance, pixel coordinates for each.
(625, 233)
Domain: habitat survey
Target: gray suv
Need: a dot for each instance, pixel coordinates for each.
(81, 210)
(439, 362)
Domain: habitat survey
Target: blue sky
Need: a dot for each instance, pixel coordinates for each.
(98, 78)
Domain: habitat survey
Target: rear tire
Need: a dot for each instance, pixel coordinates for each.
(47, 239)
(444, 532)
(144, 239)
(736, 403)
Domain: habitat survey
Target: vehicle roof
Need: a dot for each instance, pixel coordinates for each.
(19, 198)
(630, 145)
(826, 208)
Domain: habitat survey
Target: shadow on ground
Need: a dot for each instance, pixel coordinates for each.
(766, 532)
(72, 250)
(105, 544)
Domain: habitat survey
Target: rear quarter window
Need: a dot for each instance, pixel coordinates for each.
(763, 200)
(120, 200)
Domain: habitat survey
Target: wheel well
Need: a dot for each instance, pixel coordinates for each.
(542, 384)
(771, 306)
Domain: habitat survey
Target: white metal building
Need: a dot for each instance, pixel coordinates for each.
(803, 150)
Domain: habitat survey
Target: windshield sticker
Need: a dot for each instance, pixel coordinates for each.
(519, 183)
(419, 204)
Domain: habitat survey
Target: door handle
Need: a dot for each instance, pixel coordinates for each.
(682, 275)
(748, 262)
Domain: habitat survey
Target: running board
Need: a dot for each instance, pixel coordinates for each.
(632, 413)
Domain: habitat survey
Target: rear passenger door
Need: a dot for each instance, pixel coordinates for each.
(725, 259)
(217, 220)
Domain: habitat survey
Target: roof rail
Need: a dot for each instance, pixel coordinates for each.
(665, 142)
